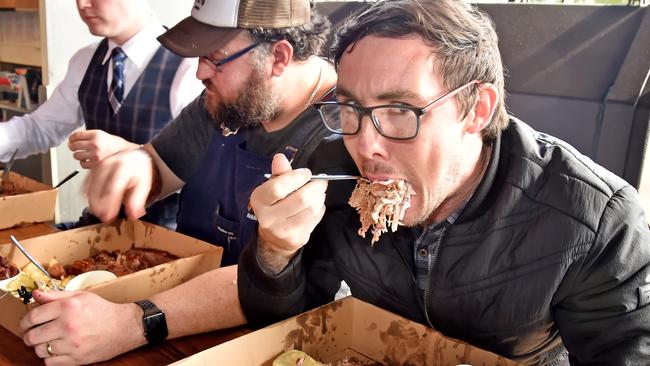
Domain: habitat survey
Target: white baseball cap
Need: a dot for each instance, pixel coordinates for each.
(214, 23)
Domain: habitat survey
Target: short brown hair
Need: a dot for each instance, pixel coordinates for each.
(463, 37)
(307, 40)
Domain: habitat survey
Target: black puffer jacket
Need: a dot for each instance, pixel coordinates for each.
(551, 251)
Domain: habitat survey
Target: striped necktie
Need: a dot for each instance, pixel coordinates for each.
(116, 93)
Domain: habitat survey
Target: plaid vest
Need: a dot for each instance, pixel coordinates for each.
(144, 111)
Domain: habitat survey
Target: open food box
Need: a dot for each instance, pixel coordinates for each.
(347, 328)
(27, 201)
(195, 257)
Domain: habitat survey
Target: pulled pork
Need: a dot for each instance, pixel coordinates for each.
(380, 204)
(7, 269)
(133, 260)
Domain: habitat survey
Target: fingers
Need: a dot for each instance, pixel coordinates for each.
(123, 177)
(87, 159)
(44, 313)
(310, 196)
(285, 226)
(57, 347)
(83, 155)
(64, 360)
(295, 230)
(135, 201)
(44, 297)
(85, 145)
(44, 333)
(83, 140)
(39, 315)
(81, 145)
(88, 164)
(82, 135)
(104, 192)
(279, 187)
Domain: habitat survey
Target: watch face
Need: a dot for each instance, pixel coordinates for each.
(154, 322)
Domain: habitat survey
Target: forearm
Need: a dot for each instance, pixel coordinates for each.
(205, 303)
(30, 137)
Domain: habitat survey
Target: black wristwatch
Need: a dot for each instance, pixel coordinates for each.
(153, 321)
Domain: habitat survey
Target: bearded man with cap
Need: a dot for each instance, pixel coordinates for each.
(258, 61)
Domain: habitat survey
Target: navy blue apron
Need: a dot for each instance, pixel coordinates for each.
(213, 204)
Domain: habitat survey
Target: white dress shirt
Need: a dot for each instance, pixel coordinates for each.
(61, 114)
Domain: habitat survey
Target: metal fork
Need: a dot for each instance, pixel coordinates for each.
(34, 261)
(324, 176)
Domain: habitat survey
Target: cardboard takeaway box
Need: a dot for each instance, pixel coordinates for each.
(347, 328)
(196, 257)
(37, 205)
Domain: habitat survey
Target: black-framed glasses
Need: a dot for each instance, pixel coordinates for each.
(217, 64)
(393, 121)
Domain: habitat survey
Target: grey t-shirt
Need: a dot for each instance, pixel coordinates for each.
(183, 142)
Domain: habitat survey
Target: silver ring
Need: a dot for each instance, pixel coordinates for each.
(49, 350)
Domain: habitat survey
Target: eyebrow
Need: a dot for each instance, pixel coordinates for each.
(398, 94)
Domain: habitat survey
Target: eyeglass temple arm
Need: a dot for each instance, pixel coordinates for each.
(452, 93)
(236, 54)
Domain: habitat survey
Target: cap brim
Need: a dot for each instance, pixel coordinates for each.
(191, 38)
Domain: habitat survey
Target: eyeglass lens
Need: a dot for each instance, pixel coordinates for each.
(392, 122)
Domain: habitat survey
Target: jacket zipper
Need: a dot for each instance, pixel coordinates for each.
(432, 258)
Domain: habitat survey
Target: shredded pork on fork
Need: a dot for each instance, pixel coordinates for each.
(380, 204)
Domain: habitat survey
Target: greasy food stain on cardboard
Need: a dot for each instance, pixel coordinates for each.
(312, 328)
(148, 231)
(404, 345)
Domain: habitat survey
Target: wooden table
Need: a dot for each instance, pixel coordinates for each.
(14, 352)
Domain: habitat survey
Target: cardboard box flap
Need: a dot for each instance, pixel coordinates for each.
(37, 205)
(344, 328)
(27, 184)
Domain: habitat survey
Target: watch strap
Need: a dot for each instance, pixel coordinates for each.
(153, 322)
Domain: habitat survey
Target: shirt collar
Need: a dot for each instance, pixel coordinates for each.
(140, 47)
(451, 218)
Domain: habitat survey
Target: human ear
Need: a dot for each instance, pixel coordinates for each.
(282, 52)
(481, 114)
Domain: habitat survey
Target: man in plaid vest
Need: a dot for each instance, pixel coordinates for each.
(124, 88)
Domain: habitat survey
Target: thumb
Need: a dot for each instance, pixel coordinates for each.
(280, 165)
(44, 297)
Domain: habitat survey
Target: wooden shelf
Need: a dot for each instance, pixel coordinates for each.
(19, 4)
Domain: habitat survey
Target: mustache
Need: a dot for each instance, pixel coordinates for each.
(376, 168)
(207, 84)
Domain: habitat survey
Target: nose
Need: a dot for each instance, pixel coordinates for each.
(204, 71)
(369, 143)
(83, 4)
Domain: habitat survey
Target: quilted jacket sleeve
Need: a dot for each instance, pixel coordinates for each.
(308, 281)
(605, 317)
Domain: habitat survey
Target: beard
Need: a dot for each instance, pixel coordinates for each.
(255, 104)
